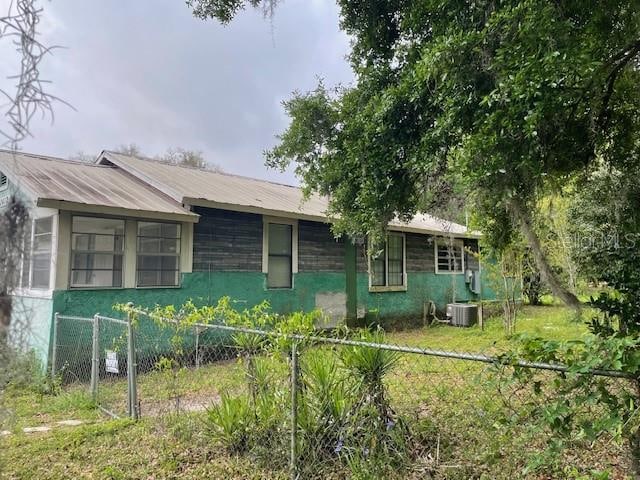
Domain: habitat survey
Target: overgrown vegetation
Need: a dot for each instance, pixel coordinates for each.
(451, 419)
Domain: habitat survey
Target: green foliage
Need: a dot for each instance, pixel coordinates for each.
(503, 272)
(225, 10)
(578, 406)
(532, 286)
(506, 99)
(231, 422)
(26, 371)
(605, 227)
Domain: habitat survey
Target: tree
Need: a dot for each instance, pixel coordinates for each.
(187, 158)
(514, 98)
(605, 229)
(83, 157)
(226, 10)
(173, 156)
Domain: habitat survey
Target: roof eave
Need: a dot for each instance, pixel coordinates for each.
(201, 202)
(125, 212)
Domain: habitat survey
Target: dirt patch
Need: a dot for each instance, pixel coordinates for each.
(182, 404)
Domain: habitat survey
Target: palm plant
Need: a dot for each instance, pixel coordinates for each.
(372, 432)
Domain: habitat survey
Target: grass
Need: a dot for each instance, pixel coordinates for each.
(468, 432)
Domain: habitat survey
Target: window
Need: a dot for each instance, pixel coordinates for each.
(41, 254)
(280, 262)
(158, 262)
(388, 268)
(36, 255)
(26, 258)
(97, 246)
(4, 183)
(449, 256)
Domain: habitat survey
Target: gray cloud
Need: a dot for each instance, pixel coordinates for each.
(147, 72)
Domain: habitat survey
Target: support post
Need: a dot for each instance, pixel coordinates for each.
(351, 281)
(95, 357)
(132, 367)
(54, 351)
(197, 347)
(294, 410)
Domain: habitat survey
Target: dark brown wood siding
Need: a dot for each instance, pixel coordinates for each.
(318, 250)
(227, 241)
(420, 253)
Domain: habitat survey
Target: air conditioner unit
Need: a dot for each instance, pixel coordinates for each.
(462, 314)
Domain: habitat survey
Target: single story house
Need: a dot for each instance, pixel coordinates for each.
(132, 229)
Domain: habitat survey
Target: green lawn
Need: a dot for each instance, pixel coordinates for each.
(467, 427)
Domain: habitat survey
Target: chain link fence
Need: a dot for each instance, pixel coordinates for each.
(329, 405)
(93, 351)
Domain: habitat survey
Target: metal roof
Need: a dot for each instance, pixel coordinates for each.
(195, 186)
(65, 184)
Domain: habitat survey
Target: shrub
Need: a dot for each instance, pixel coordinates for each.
(231, 422)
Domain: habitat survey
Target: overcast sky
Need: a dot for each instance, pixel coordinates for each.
(148, 72)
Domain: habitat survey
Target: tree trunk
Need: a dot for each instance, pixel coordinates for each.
(523, 219)
(5, 317)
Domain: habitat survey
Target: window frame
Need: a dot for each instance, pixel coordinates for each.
(27, 257)
(71, 286)
(456, 242)
(35, 235)
(265, 249)
(178, 255)
(386, 287)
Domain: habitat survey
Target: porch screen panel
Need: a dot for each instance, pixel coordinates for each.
(41, 253)
(395, 254)
(158, 254)
(97, 246)
(279, 272)
(26, 257)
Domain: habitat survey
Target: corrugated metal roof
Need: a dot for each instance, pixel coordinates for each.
(206, 188)
(58, 183)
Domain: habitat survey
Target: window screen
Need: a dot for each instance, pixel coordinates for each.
(395, 254)
(279, 272)
(387, 269)
(158, 254)
(97, 246)
(41, 253)
(449, 256)
(26, 258)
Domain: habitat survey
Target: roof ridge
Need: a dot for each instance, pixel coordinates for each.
(50, 158)
(189, 167)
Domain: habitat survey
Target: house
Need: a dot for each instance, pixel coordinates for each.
(132, 229)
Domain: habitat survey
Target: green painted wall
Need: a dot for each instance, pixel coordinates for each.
(395, 309)
(246, 288)
(390, 309)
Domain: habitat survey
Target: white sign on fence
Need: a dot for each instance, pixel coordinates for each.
(111, 362)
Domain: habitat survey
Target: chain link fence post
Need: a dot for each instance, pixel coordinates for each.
(54, 351)
(132, 366)
(95, 357)
(294, 409)
(197, 328)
